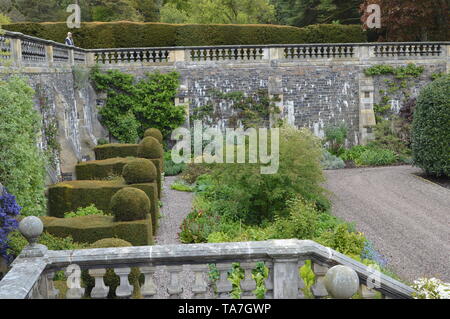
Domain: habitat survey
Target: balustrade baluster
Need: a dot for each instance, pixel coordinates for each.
(100, 290)
(200, 286)
(248, 284)
(125, 289)
(269, 281)
(224, 286)
(318, 289)
(174, 288)
(148, 290)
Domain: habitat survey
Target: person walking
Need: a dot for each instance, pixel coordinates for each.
(69, 39)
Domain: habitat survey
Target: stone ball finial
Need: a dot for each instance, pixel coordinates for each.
(341, 282)
(31, 228)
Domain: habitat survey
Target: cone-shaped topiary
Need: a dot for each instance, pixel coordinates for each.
(111, 279)
(154, 132)
(130, 204)
(138, 171)
(150, 148)
(430, 132)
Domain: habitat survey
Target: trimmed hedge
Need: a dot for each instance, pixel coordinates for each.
(97, 35)
(154, 132)
(140, 170)
(130, 204)
(89, 229)
(111, 279)
(150, 148)
(69, 196)
(431, 128)
(107, 151)
(94, 170)
(101, 169)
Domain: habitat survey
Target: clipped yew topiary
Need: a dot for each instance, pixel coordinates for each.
(431, 128)
(111, 279)
(140, 170)
(130, 204)
(150, 148)
(154, 132)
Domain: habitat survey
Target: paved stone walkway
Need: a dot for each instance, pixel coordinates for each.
(406, 217)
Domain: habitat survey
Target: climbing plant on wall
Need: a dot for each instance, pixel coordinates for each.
(22, 164)
(247, 110)
(132, 106)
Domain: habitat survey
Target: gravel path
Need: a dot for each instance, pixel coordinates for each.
(406, 217)
(176, 206)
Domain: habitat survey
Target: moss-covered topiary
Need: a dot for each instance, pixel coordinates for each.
(103, 152)
(431, 128)
(150, 148)
(89, 229)
(111, 279)
(103, 169)
(130, 204)
(153, 132)
(140, 170)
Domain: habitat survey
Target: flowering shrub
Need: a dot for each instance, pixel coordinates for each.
(431, 288)
(9, 210)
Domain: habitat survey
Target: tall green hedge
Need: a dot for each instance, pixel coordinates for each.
(431, 128)
(96, 35)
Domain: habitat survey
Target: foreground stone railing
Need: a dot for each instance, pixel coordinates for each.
(31, 275)
(23, 50)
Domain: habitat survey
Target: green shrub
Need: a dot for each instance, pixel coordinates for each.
(170, 168)
(130, 204)
(343, 241)
(194, 171)
(86, 211)
(102, 141)
(150, 148)
(111, 279)
(330, 161)
(17, 243)
(335, 138)
(139, 170)
(97, 35)
(107, 151)
(89, 229)
(393, 135)
(243, 193)
(354, 153)
(154, 132)
(377, 157)
(431, 128)
(22, 164)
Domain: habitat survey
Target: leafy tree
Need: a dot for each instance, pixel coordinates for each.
(411, 20)
(305, 12)
(218, 11)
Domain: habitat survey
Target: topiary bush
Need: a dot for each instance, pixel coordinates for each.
(154, 132)
(130, 204)
(140, 170)
(431, 128)
(111, 279)
(150, 148)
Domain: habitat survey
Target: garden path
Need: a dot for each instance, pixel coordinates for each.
(405, 216)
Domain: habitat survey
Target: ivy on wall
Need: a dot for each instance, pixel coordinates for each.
(249, 110)
(133, 106)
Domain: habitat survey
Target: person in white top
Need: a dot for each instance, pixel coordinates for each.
(69, 39)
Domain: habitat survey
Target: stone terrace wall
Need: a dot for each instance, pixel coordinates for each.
(318, 85)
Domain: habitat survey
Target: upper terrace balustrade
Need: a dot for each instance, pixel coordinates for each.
(23, 50)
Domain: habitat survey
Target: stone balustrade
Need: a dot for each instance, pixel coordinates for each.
(25, 50)
(31, 274)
